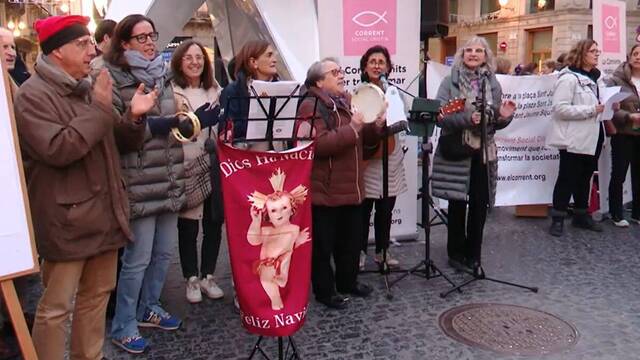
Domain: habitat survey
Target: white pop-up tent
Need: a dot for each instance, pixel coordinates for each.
(291, 25)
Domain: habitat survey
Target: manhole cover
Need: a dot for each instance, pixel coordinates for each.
(508, 329)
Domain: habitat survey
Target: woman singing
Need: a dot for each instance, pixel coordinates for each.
(375, 63)
(194, 87)
(469, 183)
(577, 133)
(256, 60)
(155, 180)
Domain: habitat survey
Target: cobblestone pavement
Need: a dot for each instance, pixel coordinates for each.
(590, 280)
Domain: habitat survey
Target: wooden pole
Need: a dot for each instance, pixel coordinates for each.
(17, 319)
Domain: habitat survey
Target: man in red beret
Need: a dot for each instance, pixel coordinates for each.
(79, 206)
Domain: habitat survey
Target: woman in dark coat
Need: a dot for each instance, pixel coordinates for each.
(625, 144)
(465, 183)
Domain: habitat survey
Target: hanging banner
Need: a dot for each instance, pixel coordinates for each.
(347, 28)
(267, 210)
(610, 32)
(527, 169)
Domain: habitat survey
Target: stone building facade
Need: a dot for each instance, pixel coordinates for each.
(522, 30)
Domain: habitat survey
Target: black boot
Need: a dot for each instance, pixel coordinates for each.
(557, 226)
(583, 220)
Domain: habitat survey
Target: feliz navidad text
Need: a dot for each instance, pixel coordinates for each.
(278, 320)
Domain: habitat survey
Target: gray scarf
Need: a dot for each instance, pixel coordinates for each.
(150, 72)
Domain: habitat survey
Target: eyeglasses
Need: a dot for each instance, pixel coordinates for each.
(379, 63)
(595, 51)
(472, 50)
(142, 38)
(335, 72)
(189, 58)
(83, 44)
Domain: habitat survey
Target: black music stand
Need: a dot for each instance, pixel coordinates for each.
(271, 112)
(478, 271)
(422, 122)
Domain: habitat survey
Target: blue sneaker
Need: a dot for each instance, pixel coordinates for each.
(164, 321)
(132, 344)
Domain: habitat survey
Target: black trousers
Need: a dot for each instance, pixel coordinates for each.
(625, 151)
(187, 244)
(574, 178)
(381, 222)
(465, 228)
(337, 231)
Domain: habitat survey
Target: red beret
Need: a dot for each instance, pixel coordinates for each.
(56, 31)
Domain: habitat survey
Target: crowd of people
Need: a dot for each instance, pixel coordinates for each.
(112, 191)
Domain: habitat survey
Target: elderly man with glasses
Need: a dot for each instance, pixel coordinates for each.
(337, 182)
(79, 206)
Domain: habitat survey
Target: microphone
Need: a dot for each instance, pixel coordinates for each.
(384, 82)
(483, 72)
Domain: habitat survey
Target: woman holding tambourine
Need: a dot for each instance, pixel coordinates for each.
(155, 179)
(463, 172)
(375, 66)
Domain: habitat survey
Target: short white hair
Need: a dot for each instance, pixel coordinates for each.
(6, 32)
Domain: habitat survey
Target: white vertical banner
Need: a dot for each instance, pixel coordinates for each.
(610, 32)
(347, 28)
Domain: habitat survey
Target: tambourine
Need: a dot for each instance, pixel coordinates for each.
(369, 100)
(196, 127)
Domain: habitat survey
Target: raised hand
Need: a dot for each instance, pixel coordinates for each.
(303, 237)
(507, 108)
(141, 103)
(103, 89)
(256, 214)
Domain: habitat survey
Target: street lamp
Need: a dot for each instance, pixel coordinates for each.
(11, 25)
(541, 3)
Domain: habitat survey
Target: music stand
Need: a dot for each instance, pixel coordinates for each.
(422, 122)
(272, 112)
(478, 272)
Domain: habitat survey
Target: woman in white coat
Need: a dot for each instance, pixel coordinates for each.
(577, 134)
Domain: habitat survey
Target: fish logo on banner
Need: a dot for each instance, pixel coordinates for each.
(367, 23)
(268, 220)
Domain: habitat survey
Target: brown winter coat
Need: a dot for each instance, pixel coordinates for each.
(338, 165)
(622, 77)
(78, 201)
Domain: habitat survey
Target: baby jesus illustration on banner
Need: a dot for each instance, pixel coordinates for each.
(280, 238)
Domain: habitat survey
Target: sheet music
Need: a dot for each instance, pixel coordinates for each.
(259, 108)
(395, 111)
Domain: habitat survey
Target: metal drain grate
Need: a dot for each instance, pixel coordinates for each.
(508, 329)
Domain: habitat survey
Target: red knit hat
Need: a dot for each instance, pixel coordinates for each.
(56, 31)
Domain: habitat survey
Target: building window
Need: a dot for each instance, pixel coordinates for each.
(492, 39)
(540, 44)
(489, 6)
(536, 6)
(453, 11)
(590, 32)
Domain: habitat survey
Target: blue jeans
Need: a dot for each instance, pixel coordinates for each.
(144, 267)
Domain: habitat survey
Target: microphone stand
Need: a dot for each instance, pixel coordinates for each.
(384, 268)
(478, 272)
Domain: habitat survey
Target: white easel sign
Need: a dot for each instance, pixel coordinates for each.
(16, 241)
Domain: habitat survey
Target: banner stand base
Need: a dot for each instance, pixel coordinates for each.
(291, 352)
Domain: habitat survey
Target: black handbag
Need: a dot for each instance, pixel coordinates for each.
(455, 146)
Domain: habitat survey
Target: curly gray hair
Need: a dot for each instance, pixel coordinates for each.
(476, 40)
